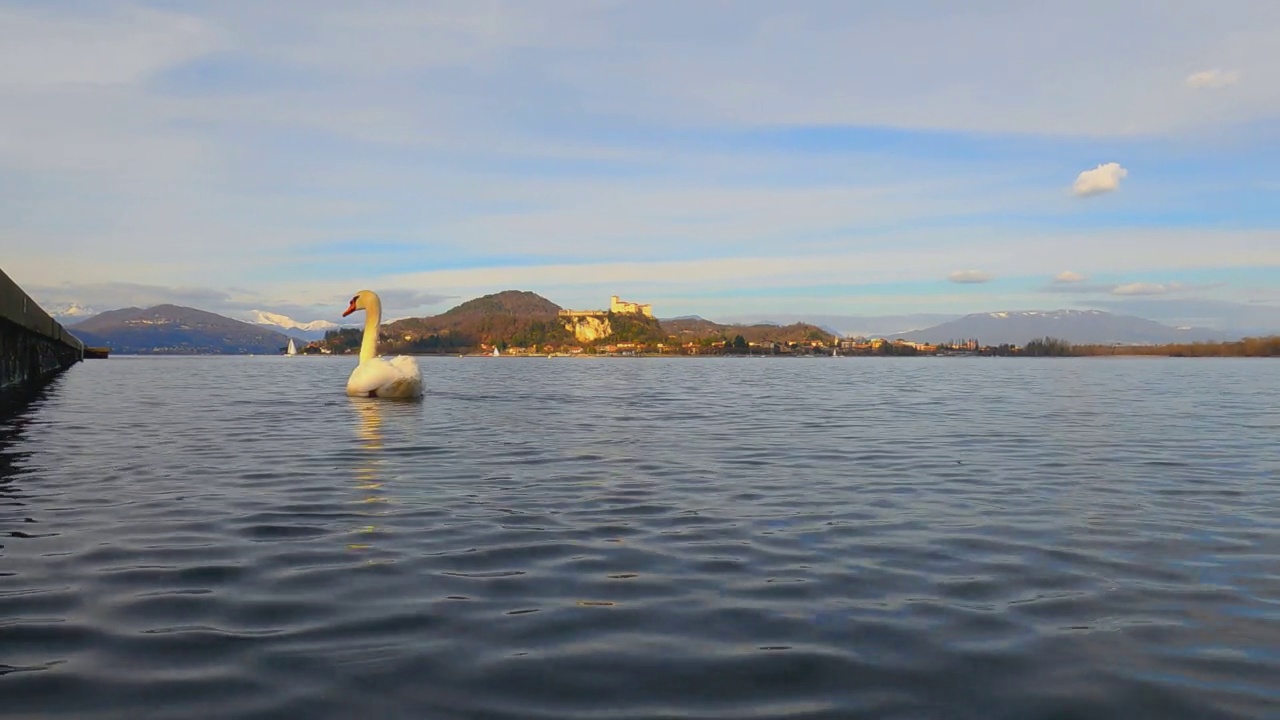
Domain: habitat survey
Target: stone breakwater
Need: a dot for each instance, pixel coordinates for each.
(33, 346)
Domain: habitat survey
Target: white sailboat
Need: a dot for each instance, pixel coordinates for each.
(293, 349)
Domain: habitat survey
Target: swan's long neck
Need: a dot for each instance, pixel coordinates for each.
(372, 319)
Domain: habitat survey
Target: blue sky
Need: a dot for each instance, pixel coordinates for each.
(720, 158)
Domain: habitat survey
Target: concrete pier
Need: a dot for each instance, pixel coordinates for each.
(33, 346)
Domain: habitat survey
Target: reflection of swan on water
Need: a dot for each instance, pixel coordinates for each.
(376, 376)
(367, 472)
(370, 434)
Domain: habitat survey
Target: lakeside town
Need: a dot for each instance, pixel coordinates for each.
(624, 329)
(735, 346)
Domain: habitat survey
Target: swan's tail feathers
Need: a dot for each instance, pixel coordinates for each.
(410, 384)
(406, 364)
(401, 388)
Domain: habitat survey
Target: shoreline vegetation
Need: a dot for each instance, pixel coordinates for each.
(1248, 347)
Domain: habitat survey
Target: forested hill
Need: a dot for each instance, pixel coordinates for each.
(174, 329)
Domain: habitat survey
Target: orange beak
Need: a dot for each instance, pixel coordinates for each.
(350, 309)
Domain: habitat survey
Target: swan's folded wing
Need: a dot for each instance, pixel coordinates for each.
(396, 378)
(409, 384)
(406, 365)
(371, 375)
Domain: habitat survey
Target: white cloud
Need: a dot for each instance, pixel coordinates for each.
(969, 277)
(475, 132)
(1142, 288)
(893, 257)
(238, 303)
(790, 67)
(716, 283)
(113, 295)
(1212, 79)
(1067, 276)
(1102, 179)
(41, 48)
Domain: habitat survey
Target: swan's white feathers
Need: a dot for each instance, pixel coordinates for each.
(397, 378)
(375, 376)
(406, 364)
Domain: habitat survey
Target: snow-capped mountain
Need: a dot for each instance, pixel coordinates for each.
(313, 330)
(1076, 326)
(70, 312)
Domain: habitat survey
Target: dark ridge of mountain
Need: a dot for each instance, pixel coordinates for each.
(850, 325)
(517, 303)
(694, 326)
(509, 318)
(89, 339)
(1080, 327)
(699, 329)
(176, 330)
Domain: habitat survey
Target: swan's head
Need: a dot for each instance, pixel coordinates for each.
(363, 300)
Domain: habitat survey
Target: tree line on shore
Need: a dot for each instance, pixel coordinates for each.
(1247, 347)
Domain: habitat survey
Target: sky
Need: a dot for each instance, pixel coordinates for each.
(719, 158)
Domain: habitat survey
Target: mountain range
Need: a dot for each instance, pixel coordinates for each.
(313, 330)
(1081, 327)
(848, 325)
(522, 318)
(176, 330)
(73, 313)
(697, 328)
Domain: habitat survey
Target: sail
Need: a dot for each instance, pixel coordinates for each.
(293, 349)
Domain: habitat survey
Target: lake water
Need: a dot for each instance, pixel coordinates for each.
(231, 537)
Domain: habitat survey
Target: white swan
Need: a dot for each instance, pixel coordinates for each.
(376, 376)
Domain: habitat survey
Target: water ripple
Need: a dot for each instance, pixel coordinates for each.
(718, 538)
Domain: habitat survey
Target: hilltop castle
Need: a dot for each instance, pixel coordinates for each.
(622, 307)
(591, 325)
(616, 306)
